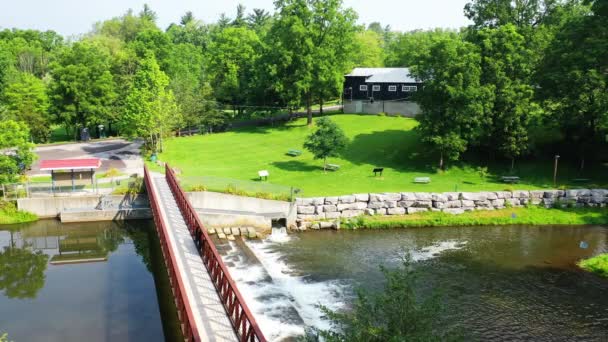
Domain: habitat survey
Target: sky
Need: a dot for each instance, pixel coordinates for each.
(74, 17)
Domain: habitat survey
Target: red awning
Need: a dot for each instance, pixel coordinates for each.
(70, 164)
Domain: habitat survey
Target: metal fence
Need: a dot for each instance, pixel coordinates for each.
(260, 189)
(44, 189)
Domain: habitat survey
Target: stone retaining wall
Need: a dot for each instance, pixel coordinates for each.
(333, 208)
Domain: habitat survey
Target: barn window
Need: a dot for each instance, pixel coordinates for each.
(409, 89)
(392, 88)
(376, 88)
(363, 87)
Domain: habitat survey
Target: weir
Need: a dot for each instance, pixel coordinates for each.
(209, 305)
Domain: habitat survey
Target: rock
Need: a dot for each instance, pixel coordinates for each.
(439, 197)
(423, 204)
(315, 226)
(390, 204)
(468, 203)
(483, 204)
(513, 201)
(536, 201)
(318, 201)
(331, 200)
(393, 197)
(405, 204)
(362, 197)
(221, 235)
(352, 206)
(416, 210)
(312, 217)
(504, 194)
(227, 230)
(211, 231)
(396, 211)
(306, 209)
(537, 193)
(235, 231)
(381, 211)
(552, 194)
(521, 194)
(230, 238)
(454, 211)
(319, 209)
(548, 202)
(423, 196)
(332, 216)
(376, 198)
(497, 203)
(326, 225)
(376, 205)
(346, 199)
(251, 233)
(473, 196)
(352, 213)
(330, 208)
(491, 196)
(439, 205)
(304, 201)
(452, 196)
(453, 204)
(408, 196)
(370, 212)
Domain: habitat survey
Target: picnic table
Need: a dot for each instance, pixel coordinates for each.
(333, 167)
(294, 153)
(263, 174)
(510, 179)
(378, 170)
(422, 180)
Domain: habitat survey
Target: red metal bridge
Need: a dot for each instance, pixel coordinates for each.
(209, 305)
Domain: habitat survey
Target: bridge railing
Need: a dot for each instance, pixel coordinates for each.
(242, 319)
(184, 311)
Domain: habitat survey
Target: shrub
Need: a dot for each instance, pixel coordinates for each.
(197, 188)
(597, 265)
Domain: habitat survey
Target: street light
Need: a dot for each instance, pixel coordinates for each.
(555, 171)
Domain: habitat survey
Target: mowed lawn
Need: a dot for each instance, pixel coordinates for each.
(376, 141)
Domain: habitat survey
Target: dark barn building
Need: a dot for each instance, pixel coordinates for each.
(380, 90)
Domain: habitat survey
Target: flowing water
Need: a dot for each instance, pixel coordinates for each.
(84, 282)
(497, 283)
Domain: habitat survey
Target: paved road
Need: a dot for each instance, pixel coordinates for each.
(117, 153)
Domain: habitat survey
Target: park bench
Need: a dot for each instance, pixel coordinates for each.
(333, 167)
(510, 179)
(294, 153)
(378, 170)
(422, 180)
(263, 174)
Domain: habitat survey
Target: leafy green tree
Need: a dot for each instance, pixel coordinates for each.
(125, 27)
(17, 154)
(82, 89)
(22, 272)
(259, 20)
(328, 140)
(27, 101)
(494, 13)
(400, 312)
(407, 48)
(453, 100)
(368, 50)
(150, 109)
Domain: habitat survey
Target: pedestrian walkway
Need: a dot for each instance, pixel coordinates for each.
(211, 318)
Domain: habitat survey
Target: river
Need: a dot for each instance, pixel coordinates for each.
(496, 283)
(84, 282)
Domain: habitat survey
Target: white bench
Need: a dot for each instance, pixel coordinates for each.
(422, 180)
(263, 174)
(333, 167)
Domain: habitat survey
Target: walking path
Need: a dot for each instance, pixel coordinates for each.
(209, 313)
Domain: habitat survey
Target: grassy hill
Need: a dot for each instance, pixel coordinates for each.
(376, 141)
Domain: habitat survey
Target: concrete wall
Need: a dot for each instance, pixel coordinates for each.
(403, 108)
(260, 223)
(311, 210)
(51, 207)
(105, 215)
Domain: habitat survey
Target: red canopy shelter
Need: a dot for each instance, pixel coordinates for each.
(71, 172)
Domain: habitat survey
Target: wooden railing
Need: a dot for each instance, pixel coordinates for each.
(243, 322)
(184, 311)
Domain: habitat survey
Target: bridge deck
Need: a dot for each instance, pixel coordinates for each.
(211, 318)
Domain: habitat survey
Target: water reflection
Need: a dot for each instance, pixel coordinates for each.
(21, 271)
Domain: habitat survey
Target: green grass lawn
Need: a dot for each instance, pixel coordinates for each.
(376, 141)
(597, 265)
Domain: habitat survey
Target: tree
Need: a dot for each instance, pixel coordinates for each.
(27, 101)
(400, 312)
(148, 14)
(16, 155)
(494, 13)
(407, 48)
(22, 272)
(328, 140)
(258, 20)
(187, 18)
(150, 109)
(82, 88)
(453, 100)
(368, 50)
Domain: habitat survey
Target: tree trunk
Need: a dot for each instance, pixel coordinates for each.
(512, 164)
(582, 163)
(309, 109)
(325, 165)
(321, 106)
(441, 161)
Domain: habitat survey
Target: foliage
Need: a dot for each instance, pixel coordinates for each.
(493, 13)
(328, 140)
(10, 215)
(17, 154)
(510, 216)
(133, 187)
(400, 312)
(597, 265)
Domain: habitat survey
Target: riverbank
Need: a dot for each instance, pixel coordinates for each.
(597, 265)
(10, 215)
(509, 216)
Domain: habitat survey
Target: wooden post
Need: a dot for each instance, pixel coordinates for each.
(73, 186)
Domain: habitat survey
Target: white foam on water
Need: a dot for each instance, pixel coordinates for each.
(276, 304)
(435, 250)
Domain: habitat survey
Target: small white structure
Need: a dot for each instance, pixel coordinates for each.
(263, 174)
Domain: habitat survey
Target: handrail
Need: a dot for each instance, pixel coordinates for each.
(184, 311)
(242, 320)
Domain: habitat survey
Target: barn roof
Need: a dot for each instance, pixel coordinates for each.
(70, 164)
(384, 75)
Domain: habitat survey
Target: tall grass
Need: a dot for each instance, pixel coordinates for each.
(597, 265)
(10, 215)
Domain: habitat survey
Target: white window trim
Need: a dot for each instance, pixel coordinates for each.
(409, 89)
(392, 88)
(376, 88)
(362, 87)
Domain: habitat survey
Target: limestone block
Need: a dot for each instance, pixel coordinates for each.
(393, 197)
(330, 208)
(490, 195)
(483, 204)
(504, 194)
(331, 200)
(235, 231)
(370, 212)
(396, 211)
(439, 197)
(376, 198)
(221, 236)
(584, 199)
(326, 225)
(405, 204)
(423, 204)
(311, 217)
(362, 197)
(454, 211)
(211, 231)
(315, 226)
(599, 192)
(521, 194)
(423, 196)
(537, 193)
(408, 196)
(416, 210)
(375, 205)
(352, 213)
(548, 202)
(452, 196)
(352, 206)
(552, 194)
(439, 205)
(381, 211)
(332, 216)
(498, 202)
(536, 201)
(318, 200)
(251, 233)
(468, 203)
(453, 204)
(303, 201)
(346, 199)
(390, 204)
(227, 230)
(319, 209)
(306, 209)
(473, 196)
(513, 201)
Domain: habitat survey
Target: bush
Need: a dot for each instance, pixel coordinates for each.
(597, 265)
(135, 186)
(10, 215)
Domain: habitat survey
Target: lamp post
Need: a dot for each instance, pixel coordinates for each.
(555, 170)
